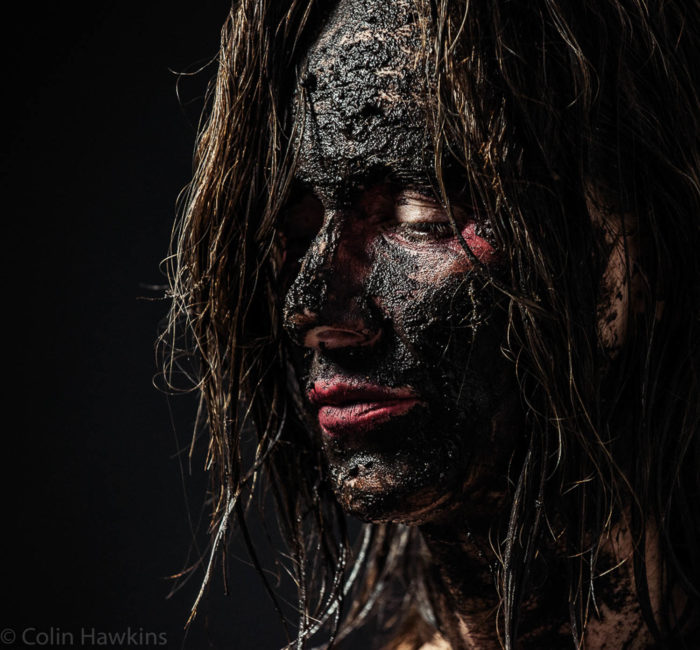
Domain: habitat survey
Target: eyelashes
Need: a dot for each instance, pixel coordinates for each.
(422, 231)
(418, 218)
(411, 217)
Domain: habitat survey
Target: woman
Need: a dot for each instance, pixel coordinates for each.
(443, 261)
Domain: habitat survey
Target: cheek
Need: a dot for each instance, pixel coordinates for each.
(479, 246)
(429, 287)
(448, 319)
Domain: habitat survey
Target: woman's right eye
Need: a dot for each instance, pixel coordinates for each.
(418, 217)
(425, 230)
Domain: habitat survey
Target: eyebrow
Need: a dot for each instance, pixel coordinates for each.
(395, 176)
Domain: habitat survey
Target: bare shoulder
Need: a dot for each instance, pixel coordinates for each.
(437, 642)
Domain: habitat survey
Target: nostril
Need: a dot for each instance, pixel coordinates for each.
(336, 337)
(298, 322)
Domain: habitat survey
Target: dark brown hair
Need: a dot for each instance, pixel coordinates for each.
(545, 104)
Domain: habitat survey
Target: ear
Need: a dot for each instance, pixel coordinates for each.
(624, 289)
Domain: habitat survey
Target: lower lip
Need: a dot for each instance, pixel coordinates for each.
(361, 417)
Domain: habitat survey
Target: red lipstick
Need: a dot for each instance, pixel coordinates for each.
(349, 408)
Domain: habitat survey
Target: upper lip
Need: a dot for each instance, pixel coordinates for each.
(340, 392)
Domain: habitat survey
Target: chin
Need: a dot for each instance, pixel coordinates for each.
(394, 488)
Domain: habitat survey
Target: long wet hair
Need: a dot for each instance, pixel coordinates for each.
(545, 104)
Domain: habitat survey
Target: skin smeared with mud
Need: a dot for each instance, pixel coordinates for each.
(398, 335)
(384, 296)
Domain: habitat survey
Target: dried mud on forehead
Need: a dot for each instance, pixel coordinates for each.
(364, 90)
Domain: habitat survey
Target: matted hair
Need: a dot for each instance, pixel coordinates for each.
(543, 103)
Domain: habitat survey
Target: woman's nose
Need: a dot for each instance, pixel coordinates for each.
(327, 307)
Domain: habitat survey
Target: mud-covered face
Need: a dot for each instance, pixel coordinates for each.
(398, 333)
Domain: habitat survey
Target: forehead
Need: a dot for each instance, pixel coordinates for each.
(361, 103)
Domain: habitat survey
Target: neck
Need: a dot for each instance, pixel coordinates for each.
(463, 589)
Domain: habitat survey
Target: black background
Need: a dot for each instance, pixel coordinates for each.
(97, 147)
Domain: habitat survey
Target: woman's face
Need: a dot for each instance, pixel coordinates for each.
(398, 335)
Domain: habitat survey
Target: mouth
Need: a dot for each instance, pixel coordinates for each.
(350, 409)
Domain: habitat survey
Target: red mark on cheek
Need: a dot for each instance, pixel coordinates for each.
(482, 249)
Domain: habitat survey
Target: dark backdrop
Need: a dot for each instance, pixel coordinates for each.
(97, 148)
